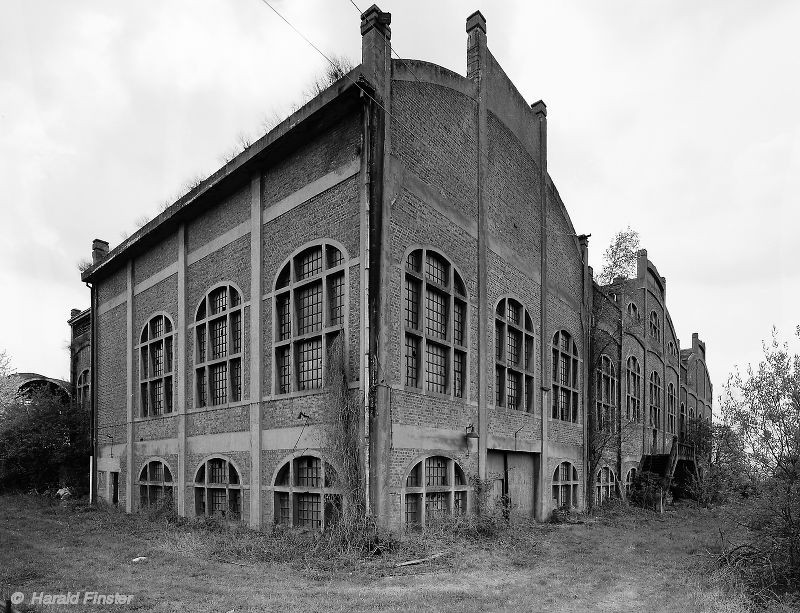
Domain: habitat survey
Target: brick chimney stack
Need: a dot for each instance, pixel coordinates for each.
(376, 54)
(99, 250)
(476, 42)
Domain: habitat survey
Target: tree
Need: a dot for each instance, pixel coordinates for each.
(763, 408)
(619, 259)
(43, 441)
(9, 384)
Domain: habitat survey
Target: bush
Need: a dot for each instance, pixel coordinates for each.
(44, 443)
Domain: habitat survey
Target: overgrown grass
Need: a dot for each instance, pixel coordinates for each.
(618, 559)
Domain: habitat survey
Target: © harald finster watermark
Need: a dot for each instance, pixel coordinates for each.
(72, 598)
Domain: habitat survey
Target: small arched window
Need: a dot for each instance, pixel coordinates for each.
(82, 388)
(655, 326)
(218, 347)
(605, 485)
(630, 481)
(566, 378)
(218, 489)
(306, 494)
(156, 368)
(606, 396)
(671, 400)
(435, 325)
(655, 400)
(565, 486)
(633, 312)
(155, 484)
(514, 358)
(310, 313)
(434, 486)
(672, 350)
(633, 391)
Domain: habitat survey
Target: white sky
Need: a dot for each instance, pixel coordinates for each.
(679, 118)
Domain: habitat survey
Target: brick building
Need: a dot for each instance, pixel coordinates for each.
(406, 215)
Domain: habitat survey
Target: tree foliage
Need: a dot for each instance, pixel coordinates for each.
(763, 409)
(619, 259)
(8, 384)
(43, 441)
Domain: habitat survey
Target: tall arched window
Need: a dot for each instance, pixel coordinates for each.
(633, 391)
(82, 389)
(655, 326)
(682, 434)
(514, 358)
(606, 396)
(566, 377)
(655, 400)
(633, 312)
(671, 408)
(565, 486)
(155, 484)
(435, 486)
(306, 494)
(435, 325)
(156, 366)
(217, 489)
(310, 313)
(605, 485)
(218, 347)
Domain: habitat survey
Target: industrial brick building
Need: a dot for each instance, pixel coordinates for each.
(406, 215)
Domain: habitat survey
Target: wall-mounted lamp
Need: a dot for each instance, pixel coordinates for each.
(302, 415)
(469, 432)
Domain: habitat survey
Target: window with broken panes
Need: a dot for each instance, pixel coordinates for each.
(435, 485)
(306, 494)
(514, 359)
(435, 325)
(566, 378)
(310, 308)
(156, 369)
(218, 349)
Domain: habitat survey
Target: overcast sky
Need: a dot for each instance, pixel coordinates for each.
(680, 119)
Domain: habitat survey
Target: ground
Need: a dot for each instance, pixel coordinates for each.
(620, 561)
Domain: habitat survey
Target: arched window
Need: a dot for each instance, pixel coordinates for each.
(630, 481)
(218, 489)
(435, 325)
(435, 486)
(606, 395)
(306, 494)
(605, 485)
(155, 484)
(565, 486)
(218, 362)
(514, 359)
(310, 313)
(671, 408)
(655, 400)
(566, 377)
(683, 423)
(655, 326)
(672, 350)
(82, 390)
(692, 427)
(633, 312)
(156, 368)
(633, 391)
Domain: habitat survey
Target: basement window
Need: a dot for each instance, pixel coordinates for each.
(605, 485)
(307, 494)
(218, 489)
(155, 485)
(435, 486)
(565, 486)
